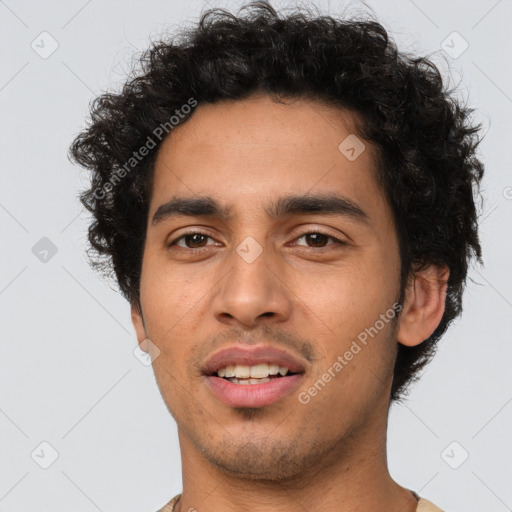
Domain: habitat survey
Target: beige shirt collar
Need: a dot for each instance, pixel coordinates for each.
(423, 505)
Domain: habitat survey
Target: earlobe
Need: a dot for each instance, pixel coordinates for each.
(138, 324)
(424, 304)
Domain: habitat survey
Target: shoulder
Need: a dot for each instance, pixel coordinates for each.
(426, 506)
(169, 507)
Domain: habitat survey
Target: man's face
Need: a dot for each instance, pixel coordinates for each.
(253, 280)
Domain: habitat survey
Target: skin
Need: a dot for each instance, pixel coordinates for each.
(309, 297)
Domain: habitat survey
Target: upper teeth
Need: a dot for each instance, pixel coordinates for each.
(258, 371)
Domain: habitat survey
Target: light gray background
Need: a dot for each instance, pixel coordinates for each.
(68, 375)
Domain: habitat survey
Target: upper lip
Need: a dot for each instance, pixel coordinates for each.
(251, 356)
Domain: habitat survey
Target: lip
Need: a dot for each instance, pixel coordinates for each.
(252, 395)
(251, 356)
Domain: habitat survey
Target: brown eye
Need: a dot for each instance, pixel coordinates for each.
(318, 239)
(194, 240)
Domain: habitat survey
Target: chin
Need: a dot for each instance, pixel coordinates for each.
(262, 462)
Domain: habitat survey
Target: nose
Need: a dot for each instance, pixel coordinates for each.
(252, 290)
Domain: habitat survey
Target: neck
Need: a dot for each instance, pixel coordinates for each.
(354, 477)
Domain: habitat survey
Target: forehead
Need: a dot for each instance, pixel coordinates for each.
(242, 151)
(263, 126)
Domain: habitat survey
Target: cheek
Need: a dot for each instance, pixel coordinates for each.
(344, 308)
(166, 294)
(349, 296)
(173, 305)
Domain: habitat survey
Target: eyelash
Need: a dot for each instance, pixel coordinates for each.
(312, 232)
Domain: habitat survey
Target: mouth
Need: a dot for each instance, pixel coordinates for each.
(257, 374)
(252, 376)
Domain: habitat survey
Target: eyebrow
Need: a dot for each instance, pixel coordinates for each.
(206, 206)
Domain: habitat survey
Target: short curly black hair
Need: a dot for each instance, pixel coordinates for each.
(426, 141)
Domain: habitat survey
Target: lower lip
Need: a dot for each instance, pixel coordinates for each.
(252, 395)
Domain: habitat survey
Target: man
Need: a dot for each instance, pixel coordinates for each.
(288, 205)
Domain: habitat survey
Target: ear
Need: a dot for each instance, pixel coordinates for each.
(138, 325)
(424, 304)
